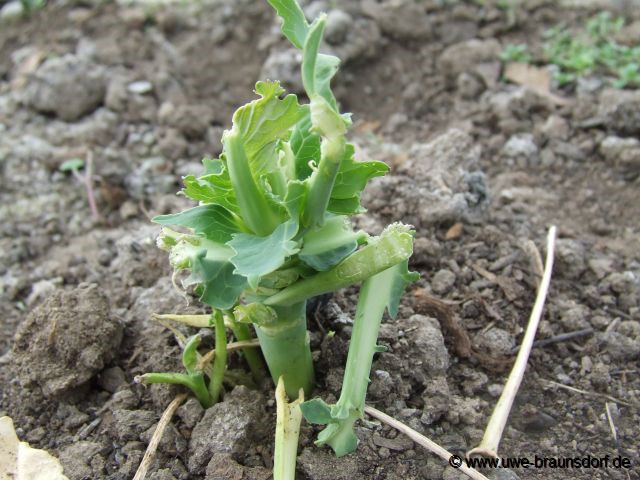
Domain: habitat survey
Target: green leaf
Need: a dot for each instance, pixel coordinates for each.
(325, 246)
(213, 221)
(316, 411)
(212, 187)
(71, 165)
(400, 277)
(345, 206)
(353, 176)
(257, 256)
(221, 287)
(261, 123)
(294, 23)
(318, 69)
(305, 145)
(294, 201)
(210, 268)
(190, 354)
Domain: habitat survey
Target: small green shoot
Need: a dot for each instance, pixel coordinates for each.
(74, 166)
(591, 51)
(515, 53)
(193, 379)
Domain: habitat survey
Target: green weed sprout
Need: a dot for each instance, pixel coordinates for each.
(193, 379)
(593, 51)
(272, 230)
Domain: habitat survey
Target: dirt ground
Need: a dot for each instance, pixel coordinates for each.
(480, 166)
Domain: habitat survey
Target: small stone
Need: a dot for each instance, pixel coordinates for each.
(600, 376)
(443, 281)
(111, 379)
(130, 424)
(469, 85)
(556, 127)
(190, 412)
(227, 427)
(622, 282)
(466, 56)
(141, 87)
(192, 120)
(600, 266)
(495, 390)
(619, 346)
(76, 459)
(570, 258)
(12, 11)
(401, 19)
(496, 341)
(521, 149)
(337, 26)
(431, 353)
(575, 318)
(381, 385)
(66, 86)
(66, 340)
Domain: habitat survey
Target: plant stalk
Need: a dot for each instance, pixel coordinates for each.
(288, 421)
(258, 214)
(285, 345)
(242, 332)
(322, 181)
(220, 360)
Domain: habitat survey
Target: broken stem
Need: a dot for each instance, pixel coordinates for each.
(288, 420)
(493, 433)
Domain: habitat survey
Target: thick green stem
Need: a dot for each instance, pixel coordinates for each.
(285, 345)
(259, 215)
(380, 292)
(394, 246)
(372, 302)
(322, 181)
(242, 332)
(220, 360)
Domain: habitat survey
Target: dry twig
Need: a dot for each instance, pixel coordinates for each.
(422, 441)
(493, 433)
(150, 454)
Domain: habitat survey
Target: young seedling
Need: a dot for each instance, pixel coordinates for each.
(271, 229)
(193, 379)
(74, 166)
